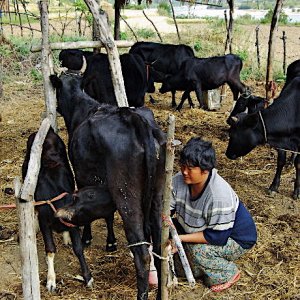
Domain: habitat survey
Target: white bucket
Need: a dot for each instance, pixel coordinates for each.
(212, 99)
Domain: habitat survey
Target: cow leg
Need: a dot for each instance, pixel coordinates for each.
(296, 194)
(142, 264)
(135, 234)
(78, 250)
(50, 250)
(199, 95)
(190, 101)
(111, 242)
(87, 235)
(185, 95)
(51, 276)
(173, 98)
(281, 160)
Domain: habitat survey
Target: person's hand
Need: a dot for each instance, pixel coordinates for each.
(172, 246)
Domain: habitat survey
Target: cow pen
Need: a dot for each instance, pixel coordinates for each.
(263, 267)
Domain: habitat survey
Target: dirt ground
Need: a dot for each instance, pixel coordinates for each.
(271, 270)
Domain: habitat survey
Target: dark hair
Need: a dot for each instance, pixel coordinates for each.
(198, 153)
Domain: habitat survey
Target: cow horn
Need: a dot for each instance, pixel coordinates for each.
(235, 119)
(59, 70)
(83, 68)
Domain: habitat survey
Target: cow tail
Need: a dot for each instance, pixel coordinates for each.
(146, 138)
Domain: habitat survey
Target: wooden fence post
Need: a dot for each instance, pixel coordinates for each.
(284, 52)
(166, 204)
(49, 93)
(269, 75)
(257, 46)
(25, 208)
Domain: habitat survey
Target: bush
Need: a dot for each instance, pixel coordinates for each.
(164, 9)
(145, 33)
(243, 54)
(283, 18)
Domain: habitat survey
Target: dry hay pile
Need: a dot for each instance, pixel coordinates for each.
(269, 271)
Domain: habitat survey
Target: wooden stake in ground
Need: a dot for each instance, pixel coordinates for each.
(166, 205)
(49, 93)
(269, 76)
(25, 207)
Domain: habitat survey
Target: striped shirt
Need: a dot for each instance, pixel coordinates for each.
(217, 212)
(215, 208)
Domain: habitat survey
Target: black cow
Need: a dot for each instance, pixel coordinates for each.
(97, 81)
(162, 59)
(122, 149)
(72, 59)
(293, 70)
(249, 104)
(202, 74)
(278, 125)
(55, 178)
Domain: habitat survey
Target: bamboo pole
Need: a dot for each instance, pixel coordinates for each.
(166, 204)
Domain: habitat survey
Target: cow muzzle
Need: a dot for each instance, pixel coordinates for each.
(65, 213)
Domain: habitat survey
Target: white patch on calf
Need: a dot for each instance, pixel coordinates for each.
(67, 239)
(51, 276)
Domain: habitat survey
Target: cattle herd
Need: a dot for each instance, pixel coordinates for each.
(118, 154)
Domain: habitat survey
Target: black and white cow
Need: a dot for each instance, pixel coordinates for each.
(278, 125)
(123, 150)
(55, 181)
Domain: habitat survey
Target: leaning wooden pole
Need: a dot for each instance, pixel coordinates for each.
(166, 204)
(101, 20)
(269, 75)
(49, 93)
(25, 207)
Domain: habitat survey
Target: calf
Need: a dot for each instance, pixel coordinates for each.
(278, 125)
(90, 203)
(202, 74)
(162, 59)
(55, 181)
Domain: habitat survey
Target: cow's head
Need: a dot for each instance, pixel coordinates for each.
(89, 204)
(243, 135)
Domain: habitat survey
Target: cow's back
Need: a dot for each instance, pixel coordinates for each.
(165, 58)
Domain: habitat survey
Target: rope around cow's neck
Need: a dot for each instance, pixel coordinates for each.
(265, 135)
(263, 125)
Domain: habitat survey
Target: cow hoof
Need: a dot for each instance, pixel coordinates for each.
(90, 283)
(51, 286)
(86, 243)
(111, 247)
(271, 193)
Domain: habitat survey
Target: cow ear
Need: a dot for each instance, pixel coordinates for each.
(56, 82)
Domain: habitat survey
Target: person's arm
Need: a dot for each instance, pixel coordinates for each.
(195, 237)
